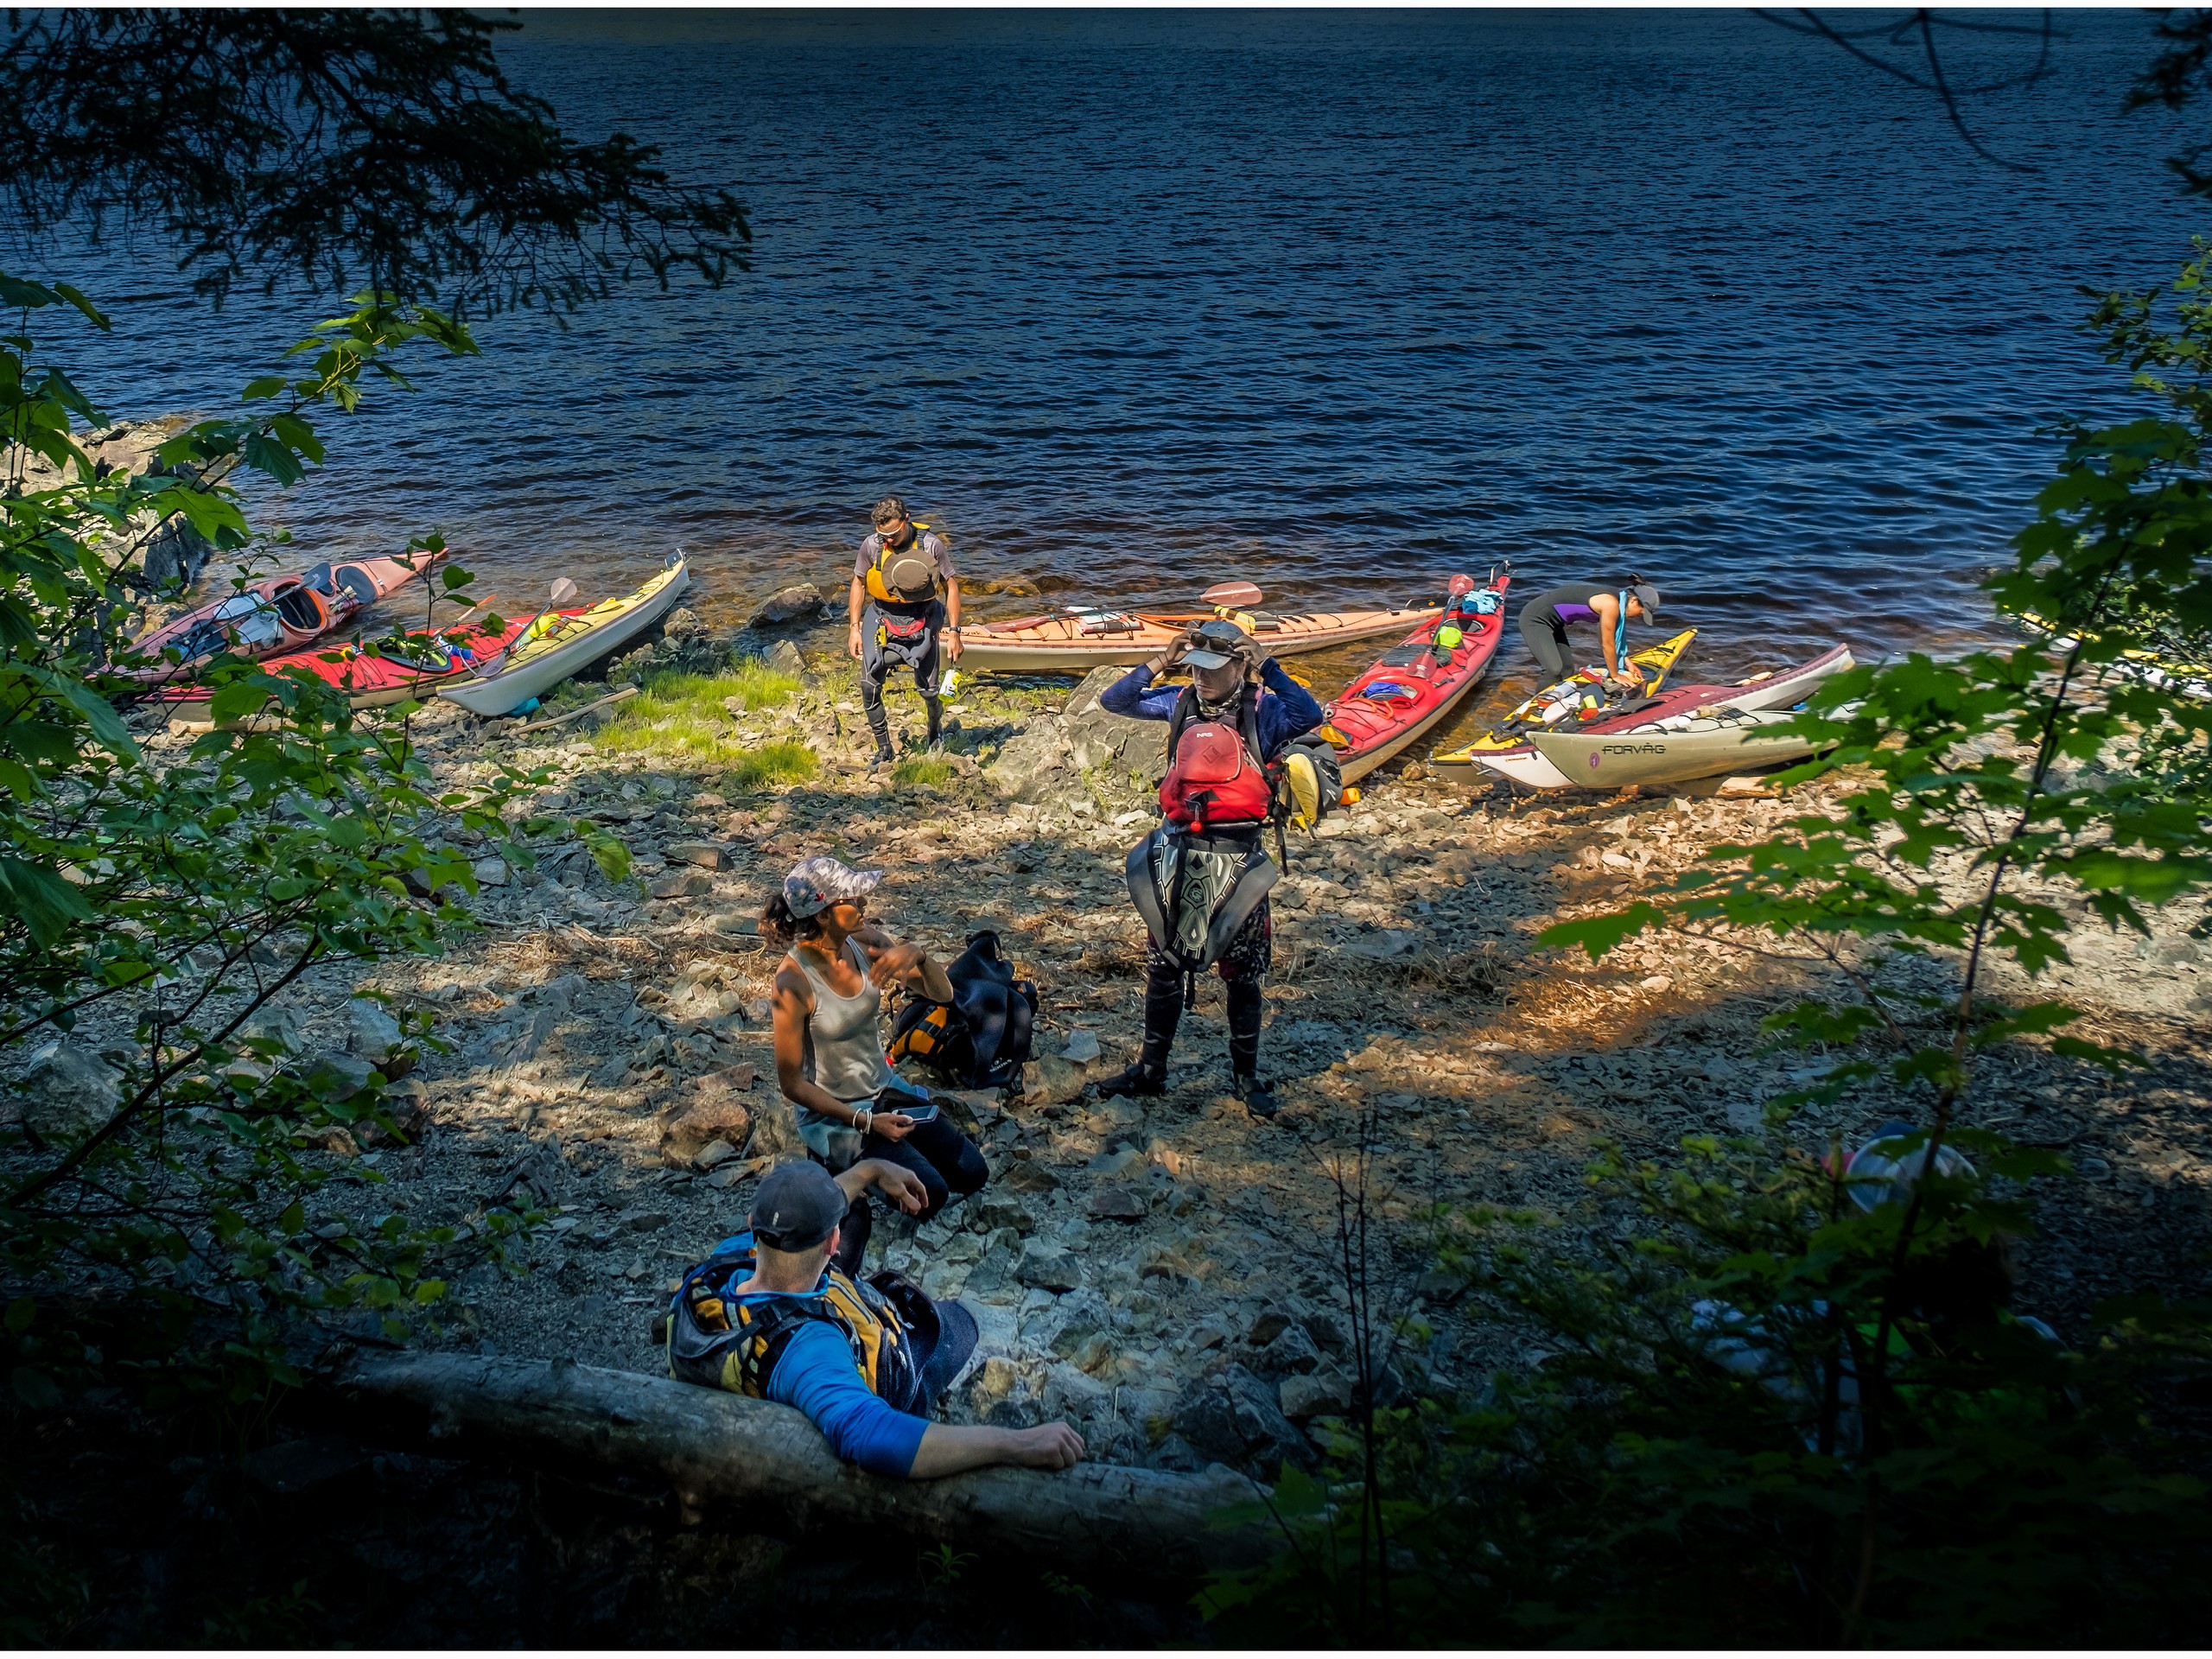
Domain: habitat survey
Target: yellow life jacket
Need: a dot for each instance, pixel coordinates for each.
(888, 559)
(719, 1342)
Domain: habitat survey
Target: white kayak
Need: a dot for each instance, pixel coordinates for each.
(1526, 764)
(560, 643)
(1675, 750)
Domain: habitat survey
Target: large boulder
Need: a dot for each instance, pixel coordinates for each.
(800, 602)
(1097, 739)
(68, 1091)
(1234, 1417)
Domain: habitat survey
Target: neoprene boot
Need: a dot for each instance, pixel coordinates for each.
(1163, 1011)
(879, 723)
(936, 706)
(1245, 1013)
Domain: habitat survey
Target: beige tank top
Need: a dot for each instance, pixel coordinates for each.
(844, 1049)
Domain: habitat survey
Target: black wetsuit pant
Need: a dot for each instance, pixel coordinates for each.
(949, 1165)
(881, 652)
(1242, 967)
(1545, 635)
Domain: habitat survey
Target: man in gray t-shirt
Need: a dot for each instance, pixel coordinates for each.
(905, 598)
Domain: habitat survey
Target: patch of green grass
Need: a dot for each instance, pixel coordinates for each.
(785, 761)
(922, 772)
(681, 717)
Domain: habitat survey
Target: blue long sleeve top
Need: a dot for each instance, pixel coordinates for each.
(816, 1374)
(1286, 708)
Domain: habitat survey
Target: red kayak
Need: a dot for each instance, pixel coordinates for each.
(274, 614)
(1415, 685)
(436, 657)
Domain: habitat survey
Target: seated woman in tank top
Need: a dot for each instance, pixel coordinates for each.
(829, 1059)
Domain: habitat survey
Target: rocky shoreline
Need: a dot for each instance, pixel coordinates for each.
(1165, 1272)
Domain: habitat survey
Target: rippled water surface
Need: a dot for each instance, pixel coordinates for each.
(1339, 303)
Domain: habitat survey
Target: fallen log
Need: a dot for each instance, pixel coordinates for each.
(768, 1464)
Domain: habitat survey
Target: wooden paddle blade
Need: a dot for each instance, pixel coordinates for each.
(1232, 595)
(564, 592)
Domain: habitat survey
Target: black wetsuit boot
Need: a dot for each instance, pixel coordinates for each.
(1163, 1012)
(1244, 1012)
(879, 723)
(936, 706)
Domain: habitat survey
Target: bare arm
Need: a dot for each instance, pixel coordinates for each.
(902, 1187)
(947, 1449)
(1608, 610)
(953, 617)
(856, 596)
(892, 963)
(792, 1006)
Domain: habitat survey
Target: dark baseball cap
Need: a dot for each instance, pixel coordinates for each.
(796, 1207)
(1216, 640)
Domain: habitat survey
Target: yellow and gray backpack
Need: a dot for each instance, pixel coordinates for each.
(719, 1342)
(904, 575)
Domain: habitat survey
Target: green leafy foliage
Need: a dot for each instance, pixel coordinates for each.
(163, 894)
(1701, 1458)
(1773, 1413)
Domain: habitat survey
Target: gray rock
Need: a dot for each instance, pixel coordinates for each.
(1325, 1393)
(374, 1033)
(1081, 1047)
(997, 1210)
(783, 658)
(1291, 1353)
(800, 602)
(491, 872)
(1116, 1204)
(338, 1076)
(68, 1091)
(1115, 1165)
(704, 855)
(1070, 1393)
(1097, 739)
(1047, 1267)
(1271, 1323)
(689, 884)
(1175, 1454)
(1235, 1417)
(272, 1025)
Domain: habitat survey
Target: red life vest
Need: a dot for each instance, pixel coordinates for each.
(1215, 775)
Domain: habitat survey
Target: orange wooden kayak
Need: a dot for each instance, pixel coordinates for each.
(1076, 641)
(273, 615)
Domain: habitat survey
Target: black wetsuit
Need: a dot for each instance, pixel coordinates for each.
(1545, 620)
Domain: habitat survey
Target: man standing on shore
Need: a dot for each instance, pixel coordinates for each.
(904, 601)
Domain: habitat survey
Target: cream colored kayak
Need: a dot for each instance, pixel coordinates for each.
(1076, 641)
(1521, 761)
(559, 643)
(1674, 750)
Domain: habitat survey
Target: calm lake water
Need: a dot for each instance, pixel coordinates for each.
(1339, 303)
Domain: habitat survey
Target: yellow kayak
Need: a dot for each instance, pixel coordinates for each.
(1558, 707)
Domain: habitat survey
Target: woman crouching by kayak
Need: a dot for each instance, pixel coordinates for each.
(829, 1060)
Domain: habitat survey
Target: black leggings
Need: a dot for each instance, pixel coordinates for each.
(1546, 637)
(880, 657)
(1242, 967)
(948, 1164)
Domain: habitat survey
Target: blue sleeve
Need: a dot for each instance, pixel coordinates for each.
(1130, 698)
(1288, 711)
(816, 1374)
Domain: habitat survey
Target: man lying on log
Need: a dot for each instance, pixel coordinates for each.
(768, 1316)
